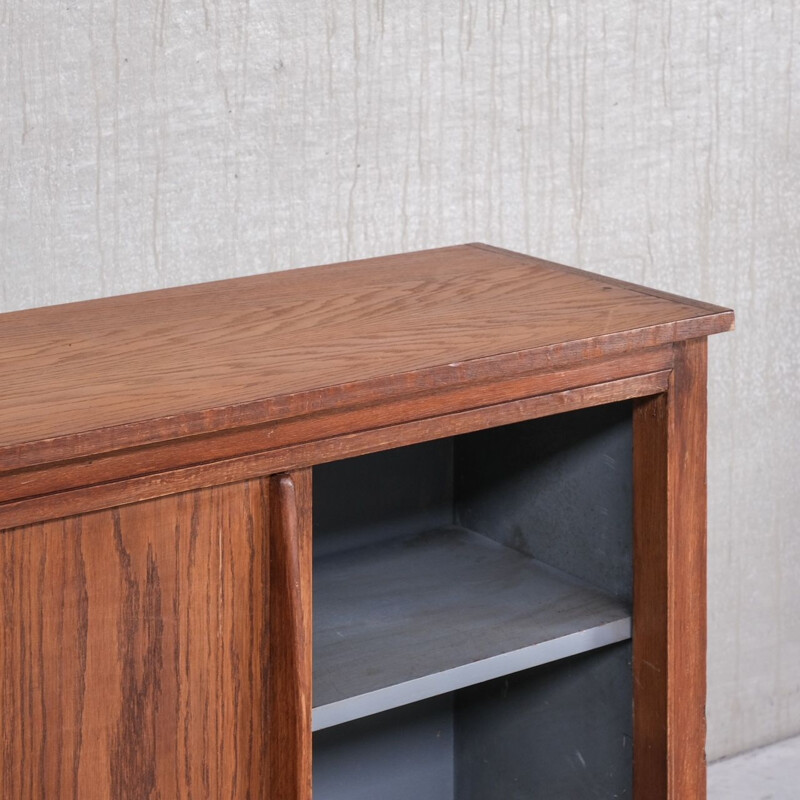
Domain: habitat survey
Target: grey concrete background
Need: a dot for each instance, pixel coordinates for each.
(161, 142)
(770, 773)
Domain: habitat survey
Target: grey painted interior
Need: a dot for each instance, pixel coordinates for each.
(557, 488)
(376, 497)
(404, 754)
(408, 605)
(399, 621)
(559, 732)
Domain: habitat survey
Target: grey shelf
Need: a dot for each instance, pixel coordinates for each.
(423, 615)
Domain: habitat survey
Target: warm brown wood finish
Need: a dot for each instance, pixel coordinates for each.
(290, 648)
(155, 500)
(279, 435)
(605, 280)
(99, 376)
(669, 639)
(132, 647)
(111, 494)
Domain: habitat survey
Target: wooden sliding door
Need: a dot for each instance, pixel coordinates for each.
(146, 650)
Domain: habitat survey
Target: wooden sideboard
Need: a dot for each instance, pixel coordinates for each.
(505, 459)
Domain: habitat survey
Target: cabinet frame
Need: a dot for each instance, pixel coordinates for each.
(660, 364)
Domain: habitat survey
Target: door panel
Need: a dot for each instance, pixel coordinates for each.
(134, 649)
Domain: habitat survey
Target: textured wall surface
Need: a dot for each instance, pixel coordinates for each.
(160, 142)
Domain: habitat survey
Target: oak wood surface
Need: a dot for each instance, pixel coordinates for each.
(155, 627)
(106, 495)
(669, 615)
(132, 651)
(604, 279)
(190, 450)
(93, 377)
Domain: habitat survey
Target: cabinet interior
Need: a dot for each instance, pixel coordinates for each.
(472, 615)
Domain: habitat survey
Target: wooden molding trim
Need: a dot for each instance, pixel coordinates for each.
(191, 451)
(107, 495)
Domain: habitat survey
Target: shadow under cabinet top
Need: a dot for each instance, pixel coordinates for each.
(103, 375)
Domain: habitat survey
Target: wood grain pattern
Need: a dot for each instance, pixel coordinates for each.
(93, 377)
(316, 452)
(603, 279)
(132, 651)
(156, 635)
(290, 675)
(669, 636)
(285, 433)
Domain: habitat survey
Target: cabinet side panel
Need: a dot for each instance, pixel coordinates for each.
(132, 650)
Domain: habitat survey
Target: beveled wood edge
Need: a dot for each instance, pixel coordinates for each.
(196, 450)
(723, 318)
(133, 490)
(555, 357)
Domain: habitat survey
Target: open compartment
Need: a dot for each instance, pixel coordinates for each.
(472, 615)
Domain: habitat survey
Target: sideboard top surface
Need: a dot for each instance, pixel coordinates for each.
(89, 377)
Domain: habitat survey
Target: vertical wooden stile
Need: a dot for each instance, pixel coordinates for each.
(669, 617)
(290, 636)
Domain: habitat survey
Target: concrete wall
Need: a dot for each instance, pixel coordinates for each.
(160, 142)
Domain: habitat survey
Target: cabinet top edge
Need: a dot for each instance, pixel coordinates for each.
(100, 375)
